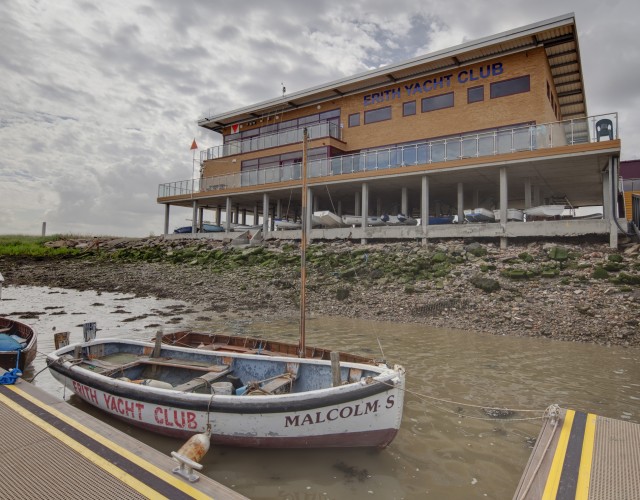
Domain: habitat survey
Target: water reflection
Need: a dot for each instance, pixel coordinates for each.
(440, 452)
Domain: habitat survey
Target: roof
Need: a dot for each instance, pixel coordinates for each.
(557, 35)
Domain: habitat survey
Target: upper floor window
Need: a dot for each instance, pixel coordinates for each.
(409, 108)
(354, 120)
(510, 87)
(437, 102)
(377, 115)
(475, 94)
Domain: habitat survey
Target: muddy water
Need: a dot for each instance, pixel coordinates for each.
(443, 450)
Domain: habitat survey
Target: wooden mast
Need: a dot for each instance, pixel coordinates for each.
(303, 249)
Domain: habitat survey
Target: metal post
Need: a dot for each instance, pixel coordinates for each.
(44, 229)
(166, 219)
(460, 202)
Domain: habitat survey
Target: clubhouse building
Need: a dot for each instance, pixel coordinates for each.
(497, 126)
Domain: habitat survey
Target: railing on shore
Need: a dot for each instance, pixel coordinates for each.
(489, 143)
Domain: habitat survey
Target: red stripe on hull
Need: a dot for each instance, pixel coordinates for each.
(378, 439)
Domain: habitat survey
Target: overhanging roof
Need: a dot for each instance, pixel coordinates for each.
(558, 36)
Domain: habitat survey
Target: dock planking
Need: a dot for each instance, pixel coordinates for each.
(58, 451)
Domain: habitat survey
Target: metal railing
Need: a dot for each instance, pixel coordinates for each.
(489, 143)
(257, 143)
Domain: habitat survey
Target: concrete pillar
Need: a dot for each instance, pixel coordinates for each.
(504, 200)
(227, 215)
(265, 213)
(460, 202)
(404, 202)
(339, 208)
(364, 210)
(358, 204)
(256, 215)
(272, 222)
(424, 207)
(200, 218)
(218, 215)
(236, 214)
(378, 206)
(278, 209)
(613, 202)
(476, 198)
(536, 196)
(194, 218)
(527, 192)
(166, 219)
(244, 216)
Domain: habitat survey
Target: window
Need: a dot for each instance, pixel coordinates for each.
(409, 108)
(475, 94)
(377, 115)
(437, 102)
(510, 87)
(354, 120)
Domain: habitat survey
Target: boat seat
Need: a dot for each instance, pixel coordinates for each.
(202, 380)
(276, 385)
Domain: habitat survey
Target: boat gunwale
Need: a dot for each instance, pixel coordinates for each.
(384, 381)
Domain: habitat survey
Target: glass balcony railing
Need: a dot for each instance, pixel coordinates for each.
(316, 131)
(485, 144)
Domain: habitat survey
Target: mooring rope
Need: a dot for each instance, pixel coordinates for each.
(500, 411)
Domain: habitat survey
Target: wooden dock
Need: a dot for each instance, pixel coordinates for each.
(583, 456)
(51, 450)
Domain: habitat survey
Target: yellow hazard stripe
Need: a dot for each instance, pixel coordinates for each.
(165, 476)
(586, 458)
(553, 480)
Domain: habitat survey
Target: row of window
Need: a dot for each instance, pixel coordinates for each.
(326, 116)
(442, 101)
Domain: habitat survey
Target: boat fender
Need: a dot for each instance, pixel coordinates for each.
(153, 383)
(190, 454)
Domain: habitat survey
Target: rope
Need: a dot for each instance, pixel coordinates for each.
(333, 208)
(486, 409)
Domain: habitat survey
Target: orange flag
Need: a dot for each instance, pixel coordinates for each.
(193, 144)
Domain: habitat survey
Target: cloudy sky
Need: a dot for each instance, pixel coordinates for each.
(99, 101)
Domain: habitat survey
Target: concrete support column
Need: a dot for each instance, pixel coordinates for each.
(194, 218)
(476, 198)
(460, 202)
(339, 208)
(166, 219)
(527, 192)
(504, 200)
(364, 210)
(613, 202)
(424, 207)
(278, 209)
(218, 215)
(244, 216)
(536, 196)
(358, 205)
(200, 218)
(227, 215)
(236, 213)
(404, 201)
(272, 222)
(378, 206)
(256, 214)
(265, 213)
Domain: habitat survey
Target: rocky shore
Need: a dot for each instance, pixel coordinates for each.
(579, 291)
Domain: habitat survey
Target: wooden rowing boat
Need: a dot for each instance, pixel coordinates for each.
(18, 344)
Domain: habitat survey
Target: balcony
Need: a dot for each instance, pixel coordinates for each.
(292, 136)
(481, 145)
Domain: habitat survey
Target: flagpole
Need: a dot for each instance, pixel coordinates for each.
(194, 147)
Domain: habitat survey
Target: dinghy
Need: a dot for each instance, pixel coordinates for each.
(18, 344)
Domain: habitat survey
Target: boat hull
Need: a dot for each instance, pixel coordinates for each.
(22, 357)
(366, 412)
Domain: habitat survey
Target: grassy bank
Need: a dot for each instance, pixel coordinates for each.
(17, 245)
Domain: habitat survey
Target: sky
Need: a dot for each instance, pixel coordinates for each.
(99, 101)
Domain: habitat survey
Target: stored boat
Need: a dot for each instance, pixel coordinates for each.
(18, 344)
(325, 218)
(356, 220)
(252, 345)
(286, 225)
(544, 211)
(249, 400)
(512, 214)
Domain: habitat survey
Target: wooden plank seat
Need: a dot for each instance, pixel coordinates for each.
(274, 385)
(202, 380)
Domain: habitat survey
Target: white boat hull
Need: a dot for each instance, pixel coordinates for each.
(366, 412)
(545, 211)
(325, 218)
(512, 214)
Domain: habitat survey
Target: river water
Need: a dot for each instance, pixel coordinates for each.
(447, 447)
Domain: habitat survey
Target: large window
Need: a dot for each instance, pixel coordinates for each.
(437, 102)
(510, 87)
(377, 115)
(409, 108)
(475, 94)
(354, 120)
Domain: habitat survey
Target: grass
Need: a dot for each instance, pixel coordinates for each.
(17, 245)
